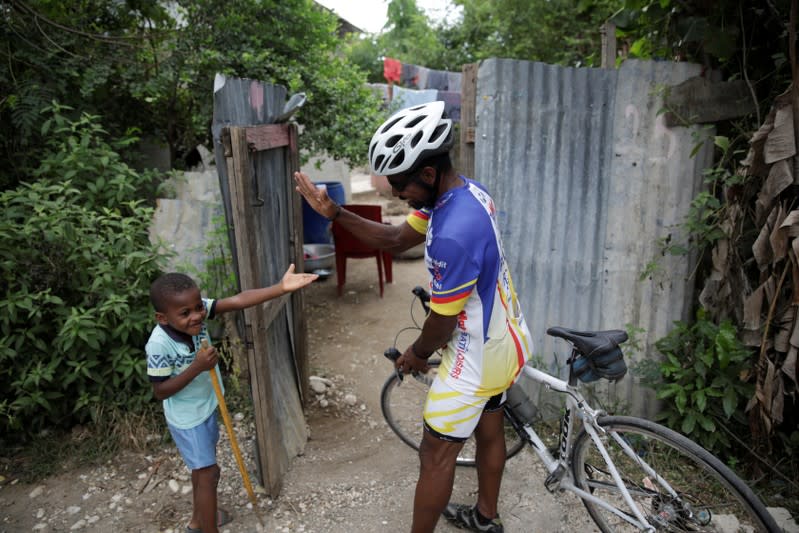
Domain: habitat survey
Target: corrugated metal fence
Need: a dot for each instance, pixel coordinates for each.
(587, 178)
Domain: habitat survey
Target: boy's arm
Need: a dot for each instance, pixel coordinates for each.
(206, 359)
(290, 283)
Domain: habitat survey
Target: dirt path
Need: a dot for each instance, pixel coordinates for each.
(354, 476)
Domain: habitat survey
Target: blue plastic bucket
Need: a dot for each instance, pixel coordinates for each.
(315, 226)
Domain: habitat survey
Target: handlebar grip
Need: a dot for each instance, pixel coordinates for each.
(422, 294)
(392, 354)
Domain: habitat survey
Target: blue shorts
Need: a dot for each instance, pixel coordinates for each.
(197, 445)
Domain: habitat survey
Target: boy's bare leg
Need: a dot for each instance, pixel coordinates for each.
(436, 475)
(205, 481)
(490, 439)
(194, 523)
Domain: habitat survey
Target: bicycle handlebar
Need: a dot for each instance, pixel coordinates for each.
(392, 354)
(422, 294)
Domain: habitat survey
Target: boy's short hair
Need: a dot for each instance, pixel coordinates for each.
(167, 285)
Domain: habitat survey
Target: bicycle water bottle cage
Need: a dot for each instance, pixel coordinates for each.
(599, 353)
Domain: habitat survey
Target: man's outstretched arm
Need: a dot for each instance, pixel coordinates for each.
(393, 239)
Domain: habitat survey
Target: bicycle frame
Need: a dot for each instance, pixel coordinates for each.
(560, 476)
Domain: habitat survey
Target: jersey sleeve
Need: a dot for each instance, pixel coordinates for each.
(210, 306)
(454, 276)
(419, 219)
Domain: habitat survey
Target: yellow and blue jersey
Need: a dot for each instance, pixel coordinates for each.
(470, 279)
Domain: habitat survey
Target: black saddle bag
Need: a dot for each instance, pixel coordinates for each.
(609, 365)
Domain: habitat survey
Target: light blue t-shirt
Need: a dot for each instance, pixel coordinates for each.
(170, 352)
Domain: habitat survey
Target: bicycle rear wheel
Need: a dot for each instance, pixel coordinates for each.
(402, 403)
(707, 496)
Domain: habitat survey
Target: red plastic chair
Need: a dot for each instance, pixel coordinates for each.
(349, 246)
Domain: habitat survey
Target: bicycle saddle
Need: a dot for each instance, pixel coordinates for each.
(589, 342)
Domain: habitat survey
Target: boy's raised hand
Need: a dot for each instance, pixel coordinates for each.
(291, 281)
(207, 357)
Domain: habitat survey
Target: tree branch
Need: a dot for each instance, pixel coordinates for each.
(95, 36)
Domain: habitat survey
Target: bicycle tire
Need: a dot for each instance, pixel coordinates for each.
(711, 497)
(402, 403)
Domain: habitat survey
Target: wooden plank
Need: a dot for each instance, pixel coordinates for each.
(700, 101)
(608, 32)
(468, 118)
(270, 309)
(267, 431)
(267, 136)
(300, 326)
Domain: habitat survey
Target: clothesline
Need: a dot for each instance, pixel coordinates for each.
(418, 77)
(410, 85)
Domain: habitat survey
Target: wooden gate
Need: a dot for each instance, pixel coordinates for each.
(266, 217)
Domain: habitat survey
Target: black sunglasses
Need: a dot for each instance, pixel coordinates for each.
(399, 185)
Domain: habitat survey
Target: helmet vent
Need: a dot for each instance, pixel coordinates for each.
(440, 129)
(397, 161)
(416, 139)
(415, 121)
(389, 125)
(378, 163)
(394, 139)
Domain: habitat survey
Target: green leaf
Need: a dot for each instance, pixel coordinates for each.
(700, 400)
(667, 392)
(722, 142)
(681, 400)
(688, 423)
(706, 423)
(729, 402)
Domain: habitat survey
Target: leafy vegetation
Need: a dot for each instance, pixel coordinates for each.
(148, 69)
(701, 382)
(554, 31)
(76, 266)
(748, 42)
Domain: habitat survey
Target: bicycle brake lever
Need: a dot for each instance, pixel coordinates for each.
(393, 354)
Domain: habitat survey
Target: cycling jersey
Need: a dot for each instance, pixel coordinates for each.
(470, 279)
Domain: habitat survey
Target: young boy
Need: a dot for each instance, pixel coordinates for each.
(178, 370)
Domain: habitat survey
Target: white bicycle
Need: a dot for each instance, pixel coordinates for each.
(630, 473)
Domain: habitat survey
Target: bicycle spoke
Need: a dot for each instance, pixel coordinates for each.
(677, 485)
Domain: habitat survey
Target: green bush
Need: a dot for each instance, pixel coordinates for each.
(701, 381)
(78, 150)
(75, 268)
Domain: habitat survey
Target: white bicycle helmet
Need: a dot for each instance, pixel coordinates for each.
(410, 135)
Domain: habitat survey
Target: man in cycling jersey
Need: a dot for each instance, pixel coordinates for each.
(474, 311)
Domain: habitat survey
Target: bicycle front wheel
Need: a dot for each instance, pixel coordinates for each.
(676, 484)
(402, 403)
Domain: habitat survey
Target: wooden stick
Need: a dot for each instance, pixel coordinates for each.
(233, 442)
